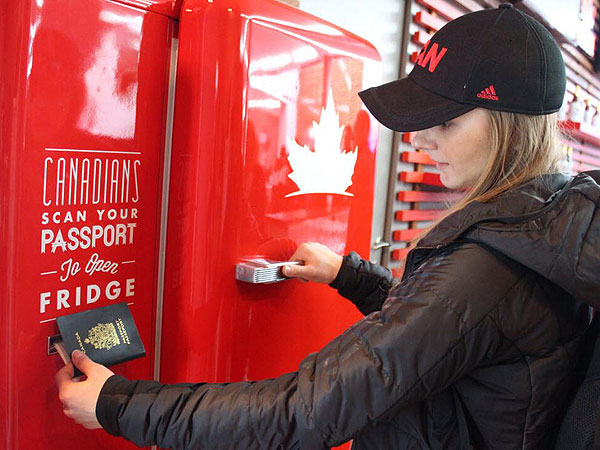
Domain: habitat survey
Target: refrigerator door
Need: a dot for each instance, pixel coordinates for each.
(83, 105)
(272, 147)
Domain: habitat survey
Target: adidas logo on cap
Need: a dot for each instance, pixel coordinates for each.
(489, 93)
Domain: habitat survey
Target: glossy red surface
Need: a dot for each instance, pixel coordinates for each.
(84, 85)
(169, 8)
(254, 78)
(257, 81)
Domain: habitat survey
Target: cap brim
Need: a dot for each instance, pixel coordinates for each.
(403, 105)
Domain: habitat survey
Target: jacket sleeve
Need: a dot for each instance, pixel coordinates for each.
(436, 326)
(365, 284)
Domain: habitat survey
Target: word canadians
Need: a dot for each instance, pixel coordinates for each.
(90, 181)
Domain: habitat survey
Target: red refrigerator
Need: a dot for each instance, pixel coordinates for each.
(108, 196)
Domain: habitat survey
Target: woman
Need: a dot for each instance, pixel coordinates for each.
(475, 348)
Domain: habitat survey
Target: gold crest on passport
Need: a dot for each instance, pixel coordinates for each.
(108, 335)
(103, 336)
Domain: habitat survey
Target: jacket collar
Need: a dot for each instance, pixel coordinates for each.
(511, 205)
(550, 225)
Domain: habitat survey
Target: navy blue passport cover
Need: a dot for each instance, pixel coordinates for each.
(107, 335)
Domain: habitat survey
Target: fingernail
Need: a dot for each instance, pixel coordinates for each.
(285, 270)
(77, 354)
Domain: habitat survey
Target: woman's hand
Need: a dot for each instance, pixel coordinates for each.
(79, 398)
(320, 264)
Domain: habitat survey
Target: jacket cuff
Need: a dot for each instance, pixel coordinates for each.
(109, 404)
(350, 265)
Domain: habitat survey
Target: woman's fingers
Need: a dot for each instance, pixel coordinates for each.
(293, 270)
(319, 263)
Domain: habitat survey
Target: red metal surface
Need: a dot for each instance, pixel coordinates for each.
(406, 235)
(83, 89)
(399, 255)
(398, 271)
(408, 137)
(421, 37)
(254, 78)
(582, 131)
(170, 8)
(429, 21)
(593, 151)
(419, 196)
(412, 215)
(594, 162)
(417, 158)
(442, 7)
(470, 5)
(428, 178)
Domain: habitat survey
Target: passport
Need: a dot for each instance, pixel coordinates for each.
(107, 335)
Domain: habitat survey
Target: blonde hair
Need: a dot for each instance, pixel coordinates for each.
(522, 147)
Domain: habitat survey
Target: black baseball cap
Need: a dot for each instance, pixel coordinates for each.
(498, 59)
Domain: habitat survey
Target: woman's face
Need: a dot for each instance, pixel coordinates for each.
(460, 148)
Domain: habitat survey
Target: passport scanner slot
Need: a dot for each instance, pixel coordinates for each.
(51, 341)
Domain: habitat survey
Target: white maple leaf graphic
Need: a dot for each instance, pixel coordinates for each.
(328, 169)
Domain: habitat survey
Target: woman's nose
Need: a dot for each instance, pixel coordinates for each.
(422, 140)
